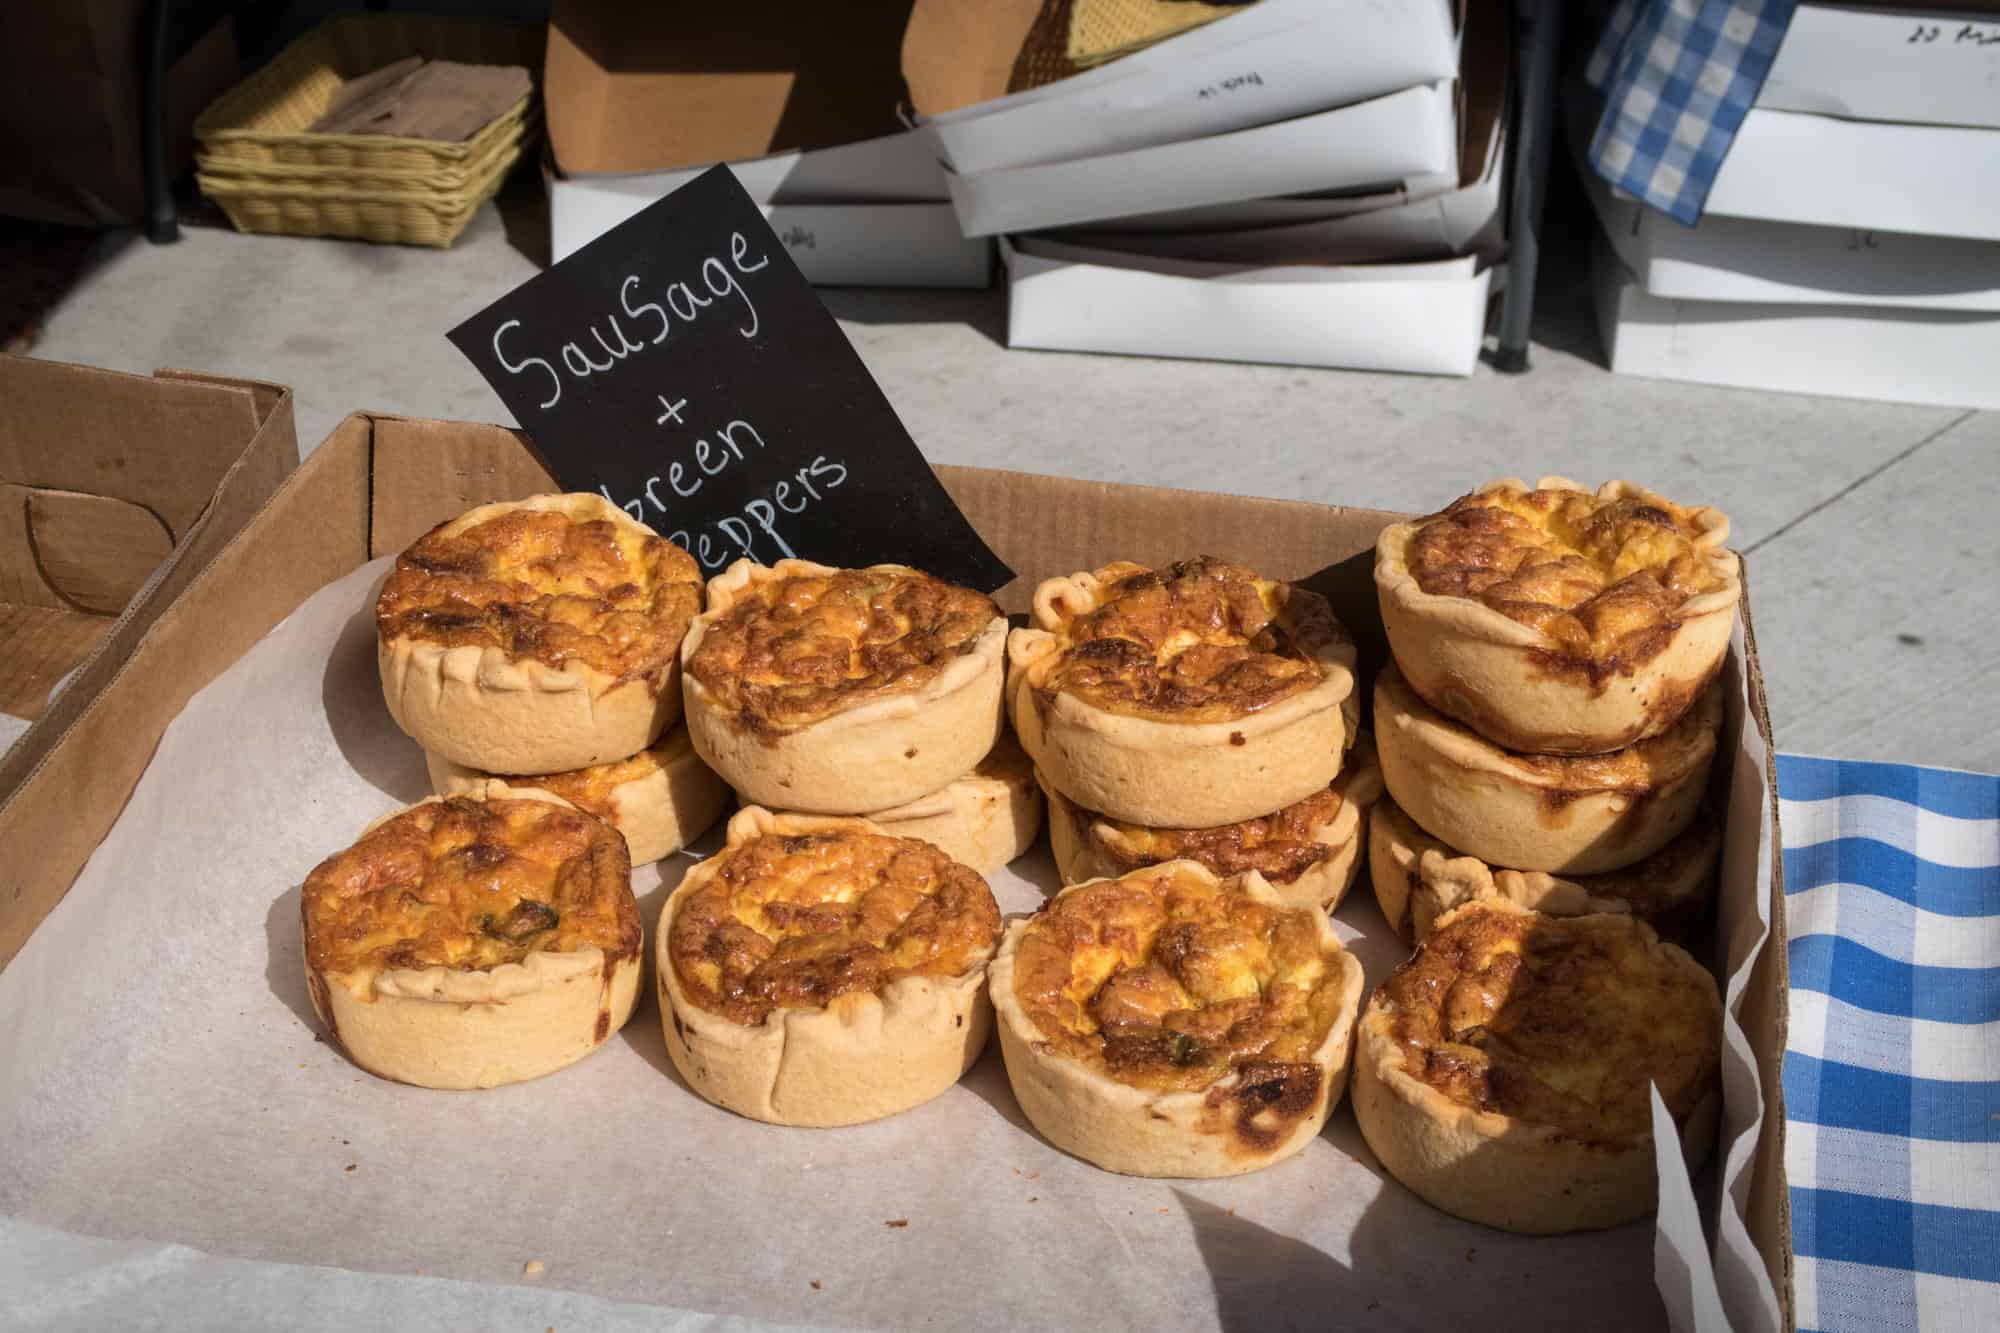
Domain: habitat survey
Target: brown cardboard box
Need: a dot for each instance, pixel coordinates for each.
(115, 492)
(640, 88)
(379, 482)
(70, 108)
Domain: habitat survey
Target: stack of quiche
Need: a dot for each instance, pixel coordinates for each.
(1546, 731)
(490, 934)
(872, 692)
(1198, 711)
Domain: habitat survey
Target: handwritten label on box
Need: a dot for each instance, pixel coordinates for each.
(681, 366)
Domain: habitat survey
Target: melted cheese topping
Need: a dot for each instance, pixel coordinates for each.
(1201, 640)
(1167, 980)
(539, 584)
(1280, 846)
(472, 885)
(1605, 579)
(595, 789)
(792, 651)
(798, 921)
(1556, 1022)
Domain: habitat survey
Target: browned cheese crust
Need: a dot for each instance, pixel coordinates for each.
(472, 885)
(1530, 1017)
(1279, 846)
(797, 921)
(1173, 982)
(796, 650)
(1201, 640)
(1605, 579)
(595, 789)
(538, 584)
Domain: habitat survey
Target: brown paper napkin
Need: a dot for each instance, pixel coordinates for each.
(440, 100)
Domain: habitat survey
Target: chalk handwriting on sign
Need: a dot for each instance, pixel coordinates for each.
(680, 366)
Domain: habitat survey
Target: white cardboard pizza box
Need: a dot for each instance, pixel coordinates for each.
(1925, 66)
(1936, 180)
(1938, 357)
(865, 214)
(1433, 224)
(1746, 259)
(1276, 60)
(1424, 318)
(1410, 133)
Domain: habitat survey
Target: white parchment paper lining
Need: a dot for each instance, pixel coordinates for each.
(181, 1147)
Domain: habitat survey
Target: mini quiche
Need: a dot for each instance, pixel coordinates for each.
(1308, 852)
(661, 799)
(1185, 697)
(467, 944)
(818, 972)
(1170, 1023)
(1566, 814)
(1555, 621)
(536, 636)
(1503, 1072)
(1418, 879)
(984, 819)
(841, 691)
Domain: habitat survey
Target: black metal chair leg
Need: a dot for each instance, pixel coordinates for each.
(1535, 68)
(162, 224)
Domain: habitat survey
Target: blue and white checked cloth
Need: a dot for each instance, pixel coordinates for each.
(1892, 1067)
(1677, 77)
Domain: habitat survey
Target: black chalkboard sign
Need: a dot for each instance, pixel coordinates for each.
(681, 366)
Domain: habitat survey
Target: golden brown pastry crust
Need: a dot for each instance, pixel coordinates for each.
(463, 943)
(842, 691)
(1308, 852)
(1168, 1023)
(1503, 1071)
(1418, 879)
(661, 799)
(1576, 815)
(817, 971)
(984, 819)
(1554, 621)
(536, 636)
(1188, 697)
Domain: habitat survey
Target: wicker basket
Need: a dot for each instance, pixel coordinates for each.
(255, 157)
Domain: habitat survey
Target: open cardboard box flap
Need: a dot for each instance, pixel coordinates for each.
(641, 87)
(106, 481)
(379, 482)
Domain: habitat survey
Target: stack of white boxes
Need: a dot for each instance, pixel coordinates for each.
(1306, 181)
(1851, 243)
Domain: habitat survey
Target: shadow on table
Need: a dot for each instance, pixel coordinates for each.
(284, 957)
(368, 738)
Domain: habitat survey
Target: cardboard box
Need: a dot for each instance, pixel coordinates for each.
(107, 483)
(379, 482)
(1935, 180)
(1425, 318)
(1924, 64)
(869, 214)
(1743, 259)
(1276, 60)
(119, 490)
(1940, 357)
(647, 87)
(1408, 133)
(1434, 224)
